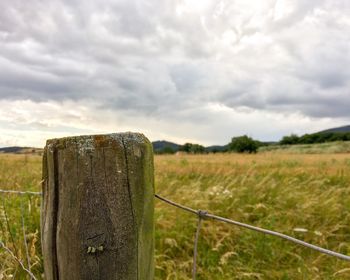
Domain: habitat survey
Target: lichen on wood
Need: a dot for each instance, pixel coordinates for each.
(97, 211)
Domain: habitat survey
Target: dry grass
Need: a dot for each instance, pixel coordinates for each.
(21, 172)
(277, 191)
(272, 190)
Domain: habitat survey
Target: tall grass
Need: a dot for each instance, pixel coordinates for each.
(306, 196)
(303, 195)
(20, 216)
(322, 148)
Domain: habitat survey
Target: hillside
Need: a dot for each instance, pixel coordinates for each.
(337, 147)
(21, 150)
(216, 148)
(159, 146)
(345, 128)
(14, 149)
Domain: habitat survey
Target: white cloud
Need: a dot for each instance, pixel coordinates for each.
(162, 66)
(29, 123)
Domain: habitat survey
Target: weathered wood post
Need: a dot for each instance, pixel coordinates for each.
(97, 210)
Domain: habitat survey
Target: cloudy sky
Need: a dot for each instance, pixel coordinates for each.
(180, 70)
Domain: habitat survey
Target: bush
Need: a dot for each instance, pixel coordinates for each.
(243, 144)
(290, 140)
(192, 148)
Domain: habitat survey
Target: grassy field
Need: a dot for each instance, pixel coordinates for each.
(323, 148)
(303, 195)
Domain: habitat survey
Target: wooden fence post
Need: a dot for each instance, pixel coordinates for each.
(97, 211)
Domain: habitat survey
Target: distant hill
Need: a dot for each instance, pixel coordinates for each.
(315, 148)
(329, 135)
(14, 149)
(216, 148)
(21, 150)
(159, 146)
(345, 128)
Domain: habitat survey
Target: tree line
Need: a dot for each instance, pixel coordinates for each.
(315, 138)
(246, 144)
(239, 144)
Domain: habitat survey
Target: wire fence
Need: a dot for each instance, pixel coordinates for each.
(201, 214)
(14, 253)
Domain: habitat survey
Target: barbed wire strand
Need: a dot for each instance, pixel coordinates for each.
(194, 269)
(25, 236)
(205, 215)
(2, 245)
(266, 231)
(20, 192)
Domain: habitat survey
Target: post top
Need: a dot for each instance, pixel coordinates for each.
(87, 143)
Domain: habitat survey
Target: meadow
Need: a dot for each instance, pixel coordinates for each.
(303, 195)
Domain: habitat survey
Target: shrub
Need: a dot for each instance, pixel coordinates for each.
(243, 144)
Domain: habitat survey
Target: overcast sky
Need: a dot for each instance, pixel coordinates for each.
(197, 70)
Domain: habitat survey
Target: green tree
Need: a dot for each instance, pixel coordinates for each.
(197, 149)
(192, 148)
(309, 139)
(243, 144)
(168, 150)
(186, 147)
(290, 140)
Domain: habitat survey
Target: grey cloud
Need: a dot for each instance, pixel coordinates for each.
(186, 77)
(333, 108)
(144, 57)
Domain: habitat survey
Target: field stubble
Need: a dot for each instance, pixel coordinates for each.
(305, 196)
